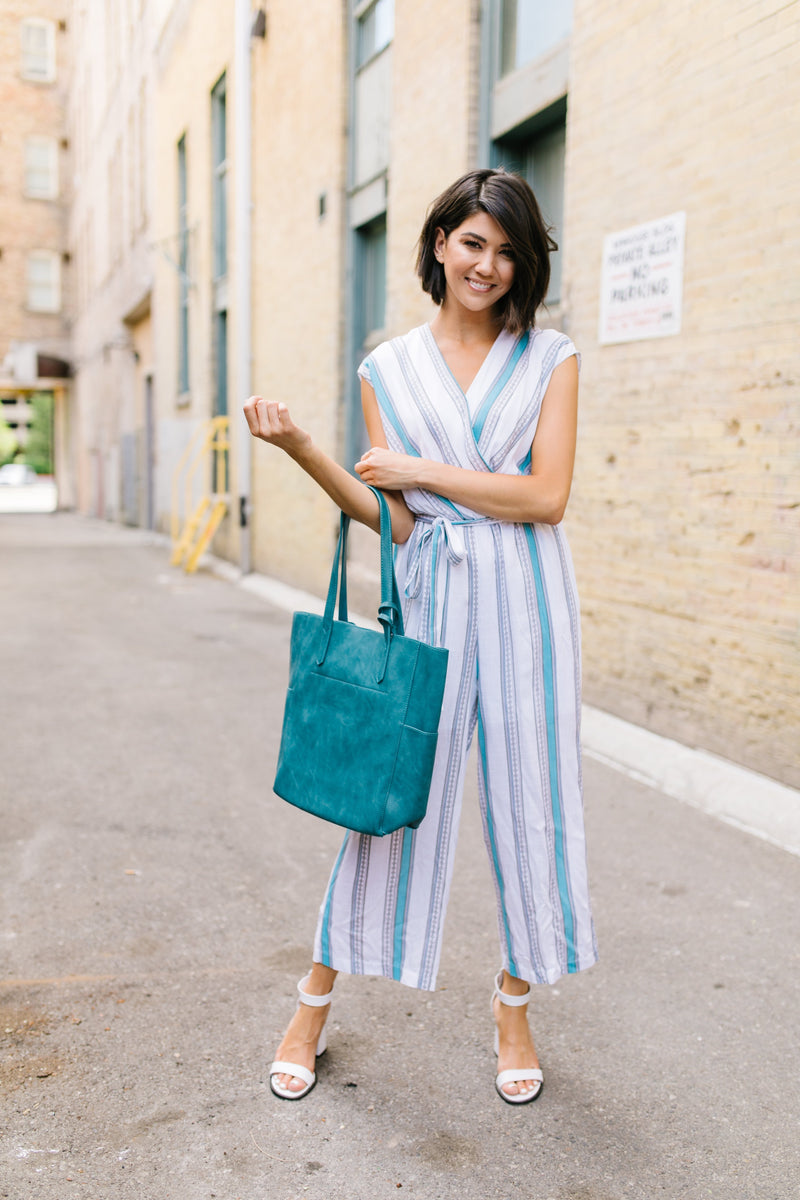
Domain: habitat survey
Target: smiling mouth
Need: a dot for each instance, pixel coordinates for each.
(479, 287)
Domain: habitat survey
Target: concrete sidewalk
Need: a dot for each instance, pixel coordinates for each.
(158, 904)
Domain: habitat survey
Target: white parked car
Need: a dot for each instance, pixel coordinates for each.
(17, 475)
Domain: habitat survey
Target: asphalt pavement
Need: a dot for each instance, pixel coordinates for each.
(158, 905)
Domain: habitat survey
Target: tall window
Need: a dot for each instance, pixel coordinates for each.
(143, 155)
(44, 281)
(131, 148)
(38, 50)
(221, 363)
(371, 278)
(375, 28)
(183, 267)
(539, 158)
(369, 315)
(41, 168)
(115, 213)
(372, 90)
(529, 28)
(219, 165)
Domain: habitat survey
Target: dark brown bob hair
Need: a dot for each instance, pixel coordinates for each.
(509, 200)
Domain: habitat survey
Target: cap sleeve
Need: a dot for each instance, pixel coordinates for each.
(365, 370)
(564, 350)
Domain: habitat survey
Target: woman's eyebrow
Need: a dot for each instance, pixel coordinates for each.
(480, 238)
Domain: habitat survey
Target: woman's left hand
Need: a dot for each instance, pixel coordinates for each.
(385, 469)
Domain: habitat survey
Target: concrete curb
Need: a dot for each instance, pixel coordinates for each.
(740, 797)
(734, 794)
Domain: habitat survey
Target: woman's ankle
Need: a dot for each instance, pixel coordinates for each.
(510, 985)
(320, 980)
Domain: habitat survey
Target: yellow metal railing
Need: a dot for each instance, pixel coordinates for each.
(202, 520)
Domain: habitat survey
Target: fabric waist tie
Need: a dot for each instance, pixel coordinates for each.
(433, 532)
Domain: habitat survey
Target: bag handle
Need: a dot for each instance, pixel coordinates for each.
(390, 613)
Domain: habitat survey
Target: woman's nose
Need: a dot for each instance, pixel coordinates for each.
(485, 263)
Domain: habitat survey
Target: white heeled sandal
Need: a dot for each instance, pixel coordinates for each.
(515, 1074)
(309, 1078)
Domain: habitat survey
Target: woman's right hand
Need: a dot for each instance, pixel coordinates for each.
(270, 421)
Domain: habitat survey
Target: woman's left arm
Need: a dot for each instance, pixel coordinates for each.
(540, 497)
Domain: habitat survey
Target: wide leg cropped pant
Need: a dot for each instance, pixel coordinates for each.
(501, 597)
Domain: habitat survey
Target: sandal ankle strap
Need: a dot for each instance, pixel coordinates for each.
(309, 999)
(506, 998)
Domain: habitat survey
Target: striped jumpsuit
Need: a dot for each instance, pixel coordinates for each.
(501, 597)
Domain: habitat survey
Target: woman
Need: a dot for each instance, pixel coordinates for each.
(472, 422)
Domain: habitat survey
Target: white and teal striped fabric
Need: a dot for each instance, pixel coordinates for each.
(502, 598)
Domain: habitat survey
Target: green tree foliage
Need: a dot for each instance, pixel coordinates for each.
(39, 446)
(8, 443)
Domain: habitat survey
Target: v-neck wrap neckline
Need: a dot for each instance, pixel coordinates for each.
(472, 393)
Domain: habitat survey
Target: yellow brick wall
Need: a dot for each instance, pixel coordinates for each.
(685, 510)
(299, 122)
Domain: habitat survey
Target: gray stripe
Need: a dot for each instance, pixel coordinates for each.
(390, 900)
(464, 716)
(357, 904)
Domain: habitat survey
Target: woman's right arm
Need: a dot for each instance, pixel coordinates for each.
(272, 423)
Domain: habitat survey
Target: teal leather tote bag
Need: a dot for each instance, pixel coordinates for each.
(362, 710)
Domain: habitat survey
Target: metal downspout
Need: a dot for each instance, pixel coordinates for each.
(243, 293)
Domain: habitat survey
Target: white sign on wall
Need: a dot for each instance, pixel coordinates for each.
(642, 285)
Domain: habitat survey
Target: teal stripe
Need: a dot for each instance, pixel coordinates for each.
(552, 751)
(454, 507)
(483, 411)
(325, 944)
(391, 416)
(402, 900)
(493, 843)
(525, 465)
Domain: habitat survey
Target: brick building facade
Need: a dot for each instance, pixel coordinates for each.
(684, 519)
(337, 129)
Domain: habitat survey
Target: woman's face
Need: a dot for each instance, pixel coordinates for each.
(478, 262)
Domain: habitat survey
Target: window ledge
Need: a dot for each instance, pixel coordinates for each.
(525, 92)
